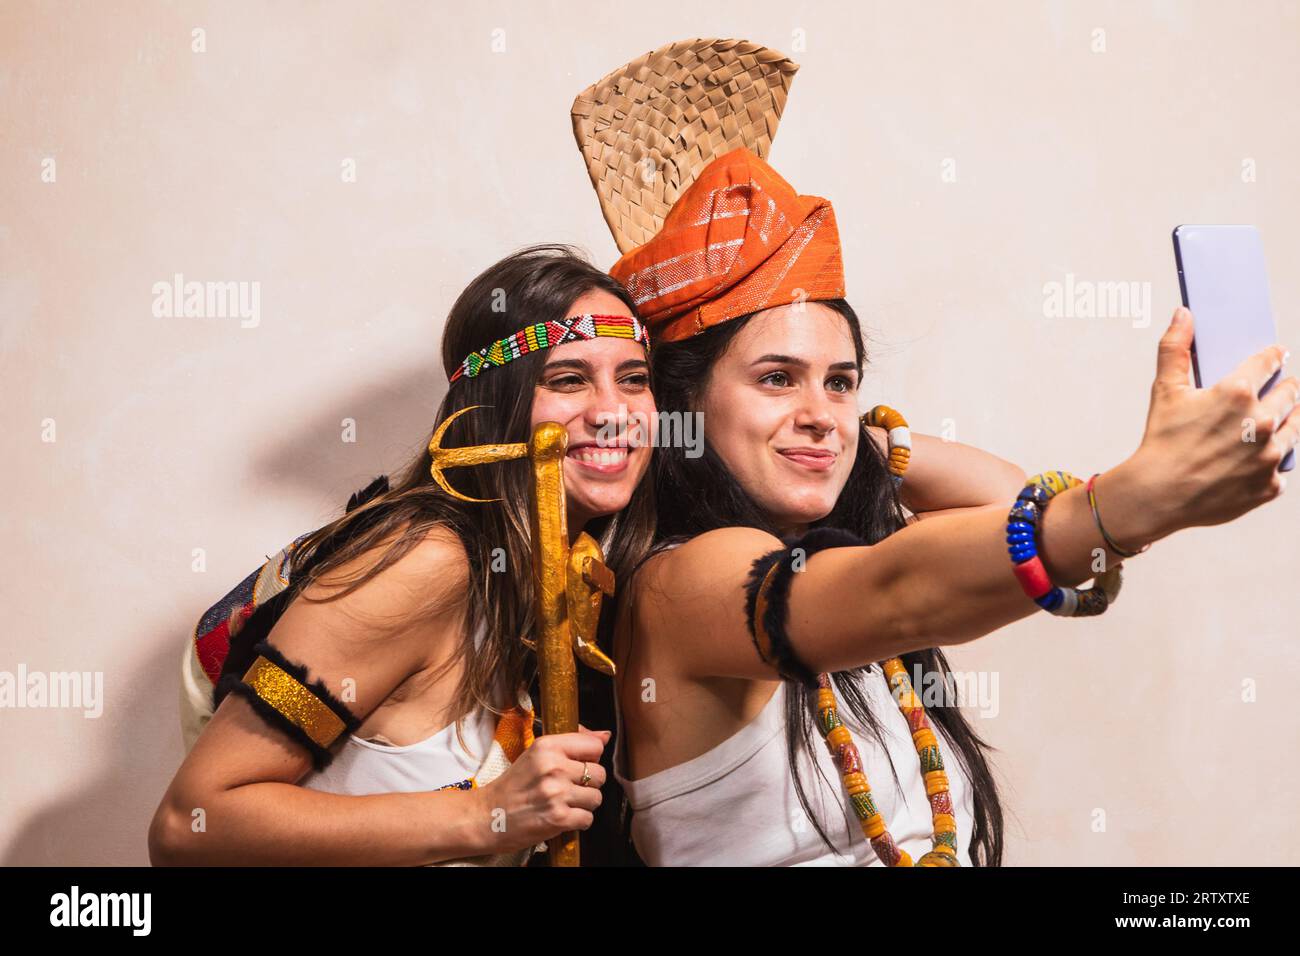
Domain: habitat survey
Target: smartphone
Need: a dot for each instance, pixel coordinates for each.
(1224, 282)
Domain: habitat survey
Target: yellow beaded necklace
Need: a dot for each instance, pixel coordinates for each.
(840, 742)
(849, 762)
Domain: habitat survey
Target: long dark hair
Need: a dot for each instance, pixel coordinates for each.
(536, 284)
(706, 496)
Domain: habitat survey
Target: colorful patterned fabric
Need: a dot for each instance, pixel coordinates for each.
(227, 617)
(223, 640)
(545, 335)
(226, 638)
(513, 735)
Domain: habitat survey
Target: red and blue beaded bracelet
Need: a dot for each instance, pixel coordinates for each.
(1023, 523)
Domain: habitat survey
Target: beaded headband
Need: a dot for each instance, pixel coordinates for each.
(545, 335)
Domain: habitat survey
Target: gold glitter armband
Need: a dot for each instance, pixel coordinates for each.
(281, 694)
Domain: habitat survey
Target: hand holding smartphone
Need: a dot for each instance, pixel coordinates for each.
(1224, 283)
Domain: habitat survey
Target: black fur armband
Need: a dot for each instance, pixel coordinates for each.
(767, 604)
(282, 695)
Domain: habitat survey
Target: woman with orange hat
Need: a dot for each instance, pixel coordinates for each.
(788, 598)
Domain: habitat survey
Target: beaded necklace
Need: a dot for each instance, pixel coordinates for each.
(840, 742)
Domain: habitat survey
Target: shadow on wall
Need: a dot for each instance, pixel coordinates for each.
(105, 822)
(389, 423)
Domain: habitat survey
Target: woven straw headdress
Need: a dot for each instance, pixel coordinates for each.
(650, 127)
(675, 144)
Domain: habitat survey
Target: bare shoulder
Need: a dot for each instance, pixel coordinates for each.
(689, 606)
(369, 641)
(716, 559)
(438, 558)
(400, 582)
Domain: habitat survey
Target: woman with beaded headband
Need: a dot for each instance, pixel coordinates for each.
(788, 597)
(375, 710)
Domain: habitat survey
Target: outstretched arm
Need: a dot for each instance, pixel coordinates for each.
(949, 580)
(934, 583)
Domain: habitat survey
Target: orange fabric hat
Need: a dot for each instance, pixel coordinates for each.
(738, 240)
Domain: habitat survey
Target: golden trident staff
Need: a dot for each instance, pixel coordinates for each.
(568, 580)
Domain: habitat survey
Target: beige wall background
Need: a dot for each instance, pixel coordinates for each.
(975, 153)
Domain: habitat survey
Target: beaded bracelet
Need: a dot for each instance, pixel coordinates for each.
(1022, 532)
(900, 438)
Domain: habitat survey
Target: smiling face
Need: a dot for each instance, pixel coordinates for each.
(781, 410)
(582, 387)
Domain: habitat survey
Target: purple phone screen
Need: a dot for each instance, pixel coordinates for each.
(1225, 283)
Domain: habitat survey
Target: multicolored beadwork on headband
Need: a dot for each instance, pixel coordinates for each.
(545, 335)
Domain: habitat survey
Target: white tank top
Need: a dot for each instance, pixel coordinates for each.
(736, 805)
(363, 767)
